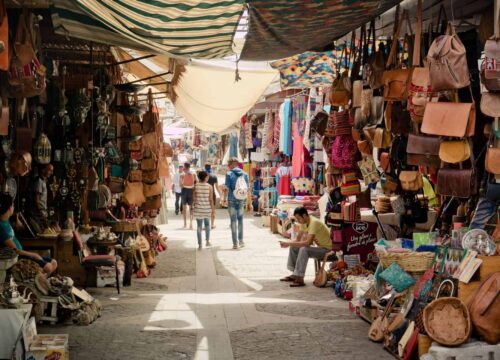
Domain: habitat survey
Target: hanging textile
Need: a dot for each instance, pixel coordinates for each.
(299, 113)
(233, 145)
(283, 28)
(310, 112)
(242, 143)
(199, 29)
(276, 133)
(306, 70)
(248, 135)
(286, 127)
(283, 179)
(267, 142)
(298, 152)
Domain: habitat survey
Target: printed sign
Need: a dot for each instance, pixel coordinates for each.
(359, 238)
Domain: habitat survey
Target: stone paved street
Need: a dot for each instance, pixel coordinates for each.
(220, 303)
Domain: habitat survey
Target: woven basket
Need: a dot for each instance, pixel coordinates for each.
(124, 226)
(447, 321)
(410, 261)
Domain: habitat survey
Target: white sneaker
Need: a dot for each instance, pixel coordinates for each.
(242, 244)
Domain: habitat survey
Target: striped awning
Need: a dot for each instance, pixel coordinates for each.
(191, 28)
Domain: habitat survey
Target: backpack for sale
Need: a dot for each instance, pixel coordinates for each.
(241, 188)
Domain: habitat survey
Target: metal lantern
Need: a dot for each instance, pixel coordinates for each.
(42, 150)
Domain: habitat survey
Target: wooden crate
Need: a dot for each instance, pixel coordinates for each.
(490, 265)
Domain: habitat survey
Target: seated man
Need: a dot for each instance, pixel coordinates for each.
(312, 230)
(8, 238)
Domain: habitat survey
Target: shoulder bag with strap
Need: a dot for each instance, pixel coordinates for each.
(375, 64)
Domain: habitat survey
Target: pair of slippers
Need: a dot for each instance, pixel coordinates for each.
(293, 281)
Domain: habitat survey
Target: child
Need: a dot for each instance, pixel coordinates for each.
(203, 206)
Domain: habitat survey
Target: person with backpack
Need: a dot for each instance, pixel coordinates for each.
(237, 184)
(187, 181)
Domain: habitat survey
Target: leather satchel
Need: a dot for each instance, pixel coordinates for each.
(449, 119)
(454, 151)
(133, 194)
(447, 61)
(492, 162)
(396, 84)
(423, 150)
(382, 138)
(340, 93)
(152, 190)
(456, 182)
(484, 309)
(365, 147)
(490, 104)
(411, 180)
(385, 162)
(163, 168)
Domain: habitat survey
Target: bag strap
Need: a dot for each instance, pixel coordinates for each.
(444, 282)
(394, 47)
(441, 22)
(418, 36)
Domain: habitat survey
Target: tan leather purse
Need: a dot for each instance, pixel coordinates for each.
(490, 104)
(340, 93)
(454, 151)
(133, 194)
(382, 138)
(135, 175)
(375, 65)
(135, 145)
(447, 61)
(449, 119)
(153, 189)
(163, 168)
(366, 102)
(357, 91)
(150, 176)
(150, 163)
(411, 180)
(492, 162)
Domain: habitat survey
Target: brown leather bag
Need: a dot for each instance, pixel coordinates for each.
(153, 189)
(456, 182)
(449, 119)
(411, 180)
(423, 150)
(150, 119)
(152, 203)
(490, 104)
(340, 93)
(484, 309)
(454, 151)
(163, 168)
(382, 138)
(135, 175)
(492, 162)
(385, 162)
(135, 145)
(166, 150)
(150, 163)
(375, 65)
(490, 69)
(150, 176)
(447, 61)
(400, 121)
(133, 194)
(364, 147)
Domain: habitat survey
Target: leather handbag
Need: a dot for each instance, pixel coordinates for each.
(133, 194)
(375, 65)
(150, 176)
(151, 141)
(166, 150)
(449, 119)
(411, 180)
(369, 170)
(400, 119)
(364, 147)
(423, 150)
(116, 185)
(484, 309)
(490, 104)
(385, 162)
(490, 68)
(454, 151)
(135, 176)
(340, 93)
(357, 91)
(366, 102)
(344, 152)
(152, 203)
(456, 182)
(153, 189)
(377, 110)
(492, 162)
(150, 119)
(447, 61)
(382, 138)
(319, 122)
(360, 120)
(150, 163)
(163, 168)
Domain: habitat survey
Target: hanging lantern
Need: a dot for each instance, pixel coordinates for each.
(42, 150)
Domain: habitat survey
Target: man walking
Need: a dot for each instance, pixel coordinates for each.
(187, 180)
(178, 190)
(312, 231)
(214, 183)
(237, 184)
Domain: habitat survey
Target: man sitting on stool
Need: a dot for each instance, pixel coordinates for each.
(312, 230)
(8, 238)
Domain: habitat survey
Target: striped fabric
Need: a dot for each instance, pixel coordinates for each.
(191, 28)
(202, 208)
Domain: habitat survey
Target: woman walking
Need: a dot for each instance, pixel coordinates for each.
(203, 206)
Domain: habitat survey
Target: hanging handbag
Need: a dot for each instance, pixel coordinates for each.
(377, 110)
(457, 182)
(135, 176)
(454, 151)
(341, 123)
(150, 176)
(135, 145)
(382, 138)
(153, 189)
(365, 147)
(449, 119)
(163, 168)
(340, 93)
(152, 203)
(166, 150)
(319, 122)
(150, 163)
(375, 65)
(490, 104)
(423, 151)
(344, 152)
(150, 118)
(400, 118)
(492, 162)
(151, 141)
(116, 185)
(411, 180)
(490, 68)
(385, 162)
(357, 93)
(133, 194)
(447, 61)
(396, 81)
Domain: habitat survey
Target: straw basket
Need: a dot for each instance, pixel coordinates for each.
(417, 262)
(424, 344)
(124, 226)
(447, 321)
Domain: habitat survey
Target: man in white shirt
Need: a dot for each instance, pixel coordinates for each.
(178, 189)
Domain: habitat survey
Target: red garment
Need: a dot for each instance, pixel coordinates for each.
(298, 153)
(284, 185)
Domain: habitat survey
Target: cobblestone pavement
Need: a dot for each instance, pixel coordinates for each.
(219, 303)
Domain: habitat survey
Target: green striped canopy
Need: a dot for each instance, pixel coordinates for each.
(191, 28)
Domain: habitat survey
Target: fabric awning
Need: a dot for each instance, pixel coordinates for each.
(191, 28)
(209, 97)
(282, 28)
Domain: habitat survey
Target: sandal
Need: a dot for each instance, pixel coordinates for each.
(297, 284)
(288, 278)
